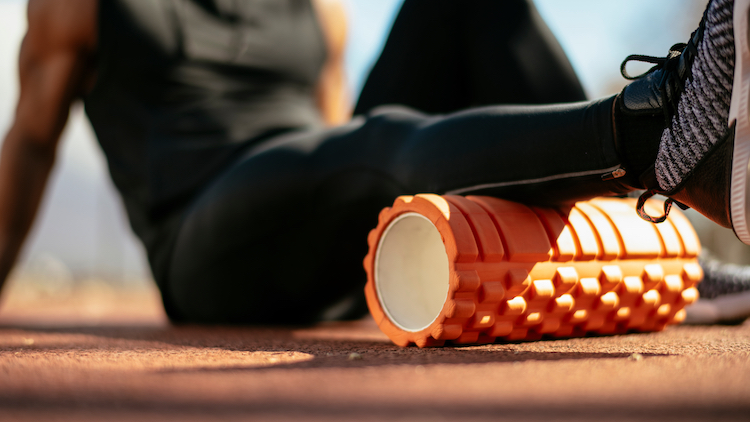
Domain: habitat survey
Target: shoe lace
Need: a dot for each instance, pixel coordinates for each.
(671, 86)
(639, 208)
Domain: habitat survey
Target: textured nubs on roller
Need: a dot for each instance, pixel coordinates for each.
(478, 269)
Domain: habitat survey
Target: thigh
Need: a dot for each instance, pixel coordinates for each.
(442, 56)
(280, 236)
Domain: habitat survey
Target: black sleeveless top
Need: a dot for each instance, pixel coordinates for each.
(183, 86)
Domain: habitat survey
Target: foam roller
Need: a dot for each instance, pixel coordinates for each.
(476, 269)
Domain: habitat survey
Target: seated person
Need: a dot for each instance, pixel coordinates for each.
(211, 116)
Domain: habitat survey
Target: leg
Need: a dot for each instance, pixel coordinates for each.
(280, 236)
(541, 154)
(275, 241)
(444, 56)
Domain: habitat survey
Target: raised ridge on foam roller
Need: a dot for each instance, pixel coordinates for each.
(480, 269)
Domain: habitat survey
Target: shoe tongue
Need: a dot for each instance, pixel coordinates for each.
(639, 121)
(643, 95)
(648, 179)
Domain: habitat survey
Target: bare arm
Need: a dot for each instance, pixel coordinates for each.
(332, 95)
(54, 66)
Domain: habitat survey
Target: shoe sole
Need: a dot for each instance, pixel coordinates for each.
(739, 112)
(727, 309)
(478, 269)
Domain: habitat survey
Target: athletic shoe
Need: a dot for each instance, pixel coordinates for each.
(703, 90)
(724, 294)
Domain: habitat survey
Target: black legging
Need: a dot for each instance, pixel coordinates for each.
(280, 236)
(445, 55)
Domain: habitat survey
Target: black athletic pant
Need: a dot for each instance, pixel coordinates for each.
(445, 55)
(280, 236)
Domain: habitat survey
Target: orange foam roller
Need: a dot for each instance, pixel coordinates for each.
(479, 269)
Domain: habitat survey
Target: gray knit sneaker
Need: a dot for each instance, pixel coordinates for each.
(724, 294)
(703, 90)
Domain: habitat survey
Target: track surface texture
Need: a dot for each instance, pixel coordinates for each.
(61, 361)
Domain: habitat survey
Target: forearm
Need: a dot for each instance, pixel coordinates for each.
(55, 67)
(24, 169)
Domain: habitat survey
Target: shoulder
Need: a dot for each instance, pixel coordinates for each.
(55, 24)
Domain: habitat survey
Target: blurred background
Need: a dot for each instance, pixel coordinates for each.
(82, 237)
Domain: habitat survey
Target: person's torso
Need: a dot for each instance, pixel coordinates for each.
(184, 85)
